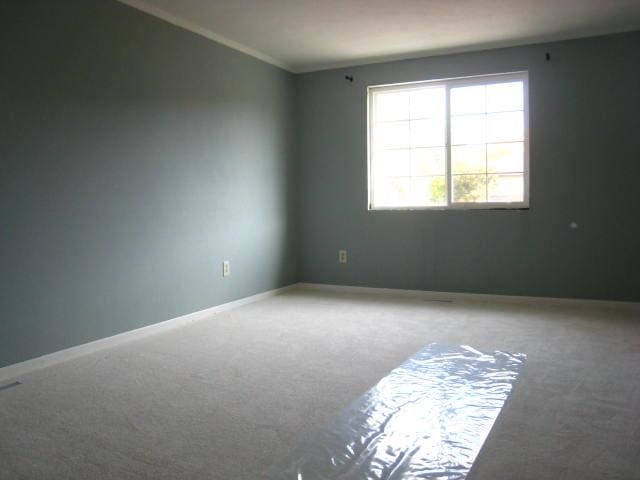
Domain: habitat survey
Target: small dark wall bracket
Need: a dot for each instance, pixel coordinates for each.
(348, 78)
(547, 56)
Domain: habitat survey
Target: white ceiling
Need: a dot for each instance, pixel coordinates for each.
(307, 35)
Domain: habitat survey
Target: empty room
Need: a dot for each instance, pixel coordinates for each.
(320, 239)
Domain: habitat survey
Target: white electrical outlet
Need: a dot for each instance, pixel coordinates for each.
(226, 268)
(342, 256)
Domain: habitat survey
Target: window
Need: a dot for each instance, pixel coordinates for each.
(458, 143)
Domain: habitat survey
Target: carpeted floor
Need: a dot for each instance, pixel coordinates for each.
(225, 397)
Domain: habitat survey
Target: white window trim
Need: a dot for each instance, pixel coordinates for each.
(448, 83)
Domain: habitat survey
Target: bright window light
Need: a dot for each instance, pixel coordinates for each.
(458, 143)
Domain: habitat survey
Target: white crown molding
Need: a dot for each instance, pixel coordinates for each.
(18, 369)
(146, 7)
(455, 50)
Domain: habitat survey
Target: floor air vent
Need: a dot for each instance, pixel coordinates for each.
(9, 385)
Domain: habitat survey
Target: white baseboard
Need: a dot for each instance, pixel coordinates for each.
(472, 297)
(22, 368)
(12, 371)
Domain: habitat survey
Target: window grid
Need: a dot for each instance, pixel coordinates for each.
(447, 135)
(449, 174)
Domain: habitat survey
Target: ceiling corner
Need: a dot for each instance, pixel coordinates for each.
(169, 17)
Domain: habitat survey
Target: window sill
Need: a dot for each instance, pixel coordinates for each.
(501, 207)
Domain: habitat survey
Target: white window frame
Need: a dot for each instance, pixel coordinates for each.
(448, 83)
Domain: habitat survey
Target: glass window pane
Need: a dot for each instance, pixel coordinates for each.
(392, 163)
(468, 159)
(468, 129)
(505, 157)
(468, 100)
(392, 106)
(505, 127)
(427, 191)
(392, 192)
(428, 133)
(502, 97)
(469, 188)
(484, 134)
(393, 135)
(506, 187)
(428, 103)
(427, 161)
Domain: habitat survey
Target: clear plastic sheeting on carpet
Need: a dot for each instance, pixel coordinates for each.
(427, 419)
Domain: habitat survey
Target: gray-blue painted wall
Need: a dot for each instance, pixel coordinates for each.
(585, 167)
(134, 157)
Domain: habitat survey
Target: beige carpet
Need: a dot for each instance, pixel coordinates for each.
(225, 397)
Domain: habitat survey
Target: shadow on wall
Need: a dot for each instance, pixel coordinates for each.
(136, 156)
